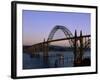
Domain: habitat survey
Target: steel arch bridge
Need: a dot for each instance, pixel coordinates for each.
(73, 40)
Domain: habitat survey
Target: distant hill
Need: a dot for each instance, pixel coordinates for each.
(60, 48)
(54, 48)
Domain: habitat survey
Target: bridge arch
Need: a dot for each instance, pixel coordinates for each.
(65, 30)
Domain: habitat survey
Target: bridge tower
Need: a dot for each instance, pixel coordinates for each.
(78, 49)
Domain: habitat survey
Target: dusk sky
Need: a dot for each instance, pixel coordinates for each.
(38, 24)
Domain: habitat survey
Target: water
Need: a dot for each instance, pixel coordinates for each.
(55, 59)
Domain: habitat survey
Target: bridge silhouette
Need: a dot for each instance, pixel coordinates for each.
(79, 43)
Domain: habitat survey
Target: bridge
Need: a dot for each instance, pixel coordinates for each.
(79, 43)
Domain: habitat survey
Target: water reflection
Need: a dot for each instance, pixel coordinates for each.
(55, 59)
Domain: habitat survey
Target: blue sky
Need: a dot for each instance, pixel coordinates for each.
(38, 24)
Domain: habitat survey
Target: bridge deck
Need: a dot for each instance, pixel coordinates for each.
(62, 39)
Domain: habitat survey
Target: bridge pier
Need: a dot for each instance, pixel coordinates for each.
(75, 48)
(45, 53)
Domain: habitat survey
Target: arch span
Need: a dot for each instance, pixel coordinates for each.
(65, 30)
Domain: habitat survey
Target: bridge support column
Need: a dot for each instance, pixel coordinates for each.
(75, 48)
(81, 47)
(45, 53)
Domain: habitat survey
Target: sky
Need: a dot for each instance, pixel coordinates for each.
(37, 25)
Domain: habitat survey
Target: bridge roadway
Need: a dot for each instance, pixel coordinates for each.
(62, 39)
